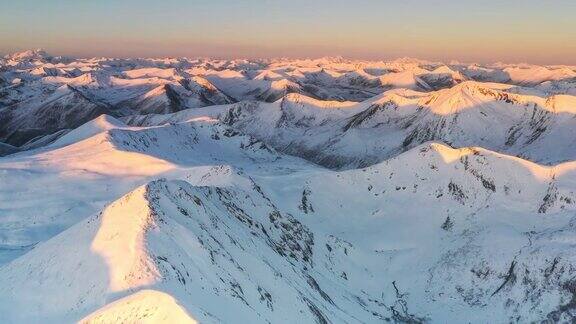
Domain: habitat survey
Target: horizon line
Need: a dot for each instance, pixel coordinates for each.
(5, 54)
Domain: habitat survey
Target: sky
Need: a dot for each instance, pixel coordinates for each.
(533, 31)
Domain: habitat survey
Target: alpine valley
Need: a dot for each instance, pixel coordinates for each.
(286, 191)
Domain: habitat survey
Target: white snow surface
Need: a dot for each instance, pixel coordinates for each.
(284, 191)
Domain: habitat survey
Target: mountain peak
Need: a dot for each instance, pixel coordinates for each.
(155, 306)
(29, 55)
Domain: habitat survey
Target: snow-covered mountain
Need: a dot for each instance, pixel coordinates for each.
(30, 80)
(227, 245)
(523, 122)
(279, 191)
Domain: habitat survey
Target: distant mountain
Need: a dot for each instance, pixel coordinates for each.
(518, 121)
(65, 107)
(140, 86)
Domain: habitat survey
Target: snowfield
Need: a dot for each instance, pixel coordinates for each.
(283, 191)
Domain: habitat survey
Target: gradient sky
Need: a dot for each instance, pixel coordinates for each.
(534, 31)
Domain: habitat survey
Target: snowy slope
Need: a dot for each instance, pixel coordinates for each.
(496, 116)
(250, 249)
(6, 149)
(46, 190)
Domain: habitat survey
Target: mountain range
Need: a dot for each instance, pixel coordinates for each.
(285, 190)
